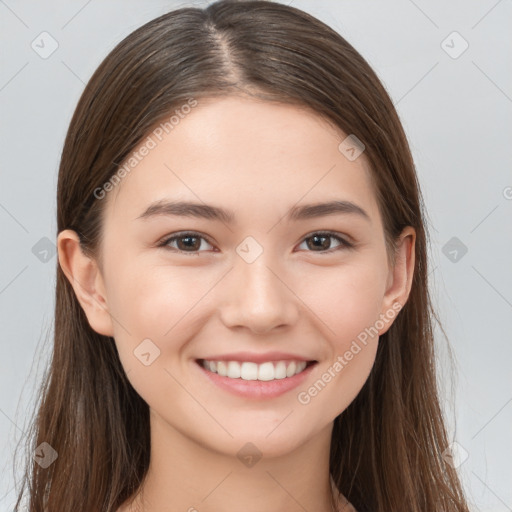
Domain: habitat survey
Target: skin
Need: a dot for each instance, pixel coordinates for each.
(257, 159)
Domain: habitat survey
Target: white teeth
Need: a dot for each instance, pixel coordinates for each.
(266, 371)
(233, 370)
(280, 370)
(290, 371)
(252, 371)
(248, 371)
(222, 369)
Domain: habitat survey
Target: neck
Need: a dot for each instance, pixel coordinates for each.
(184, 475)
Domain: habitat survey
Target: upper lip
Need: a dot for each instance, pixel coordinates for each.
(257, 358)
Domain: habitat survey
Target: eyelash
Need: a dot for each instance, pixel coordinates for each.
(344, 244)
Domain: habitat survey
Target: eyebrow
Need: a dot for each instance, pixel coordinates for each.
(210, 212)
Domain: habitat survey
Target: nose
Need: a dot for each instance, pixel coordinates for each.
(258, 297)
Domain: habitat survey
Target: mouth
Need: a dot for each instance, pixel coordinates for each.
(251, 371)
(249, 380)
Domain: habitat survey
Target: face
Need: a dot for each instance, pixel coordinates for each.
(271, 278)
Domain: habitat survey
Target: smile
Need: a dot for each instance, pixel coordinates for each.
(261, 381)
(270, 370)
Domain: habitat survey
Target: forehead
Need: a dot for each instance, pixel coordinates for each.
(245, 152)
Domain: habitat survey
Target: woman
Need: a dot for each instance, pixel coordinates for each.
(242, 311)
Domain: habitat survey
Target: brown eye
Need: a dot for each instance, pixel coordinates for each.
(189, 243)
(321, 242)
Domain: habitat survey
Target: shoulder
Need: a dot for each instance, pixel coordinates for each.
(348, 507)
(344, 505)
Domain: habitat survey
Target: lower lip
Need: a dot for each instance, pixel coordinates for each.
(258, 389)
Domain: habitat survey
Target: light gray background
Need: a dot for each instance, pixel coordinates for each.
(457, 113)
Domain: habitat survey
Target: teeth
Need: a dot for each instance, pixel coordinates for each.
(252, 371)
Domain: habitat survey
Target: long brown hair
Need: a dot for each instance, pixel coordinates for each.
(387, 446)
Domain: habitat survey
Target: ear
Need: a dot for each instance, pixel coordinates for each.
(85, 277)
(400, 277)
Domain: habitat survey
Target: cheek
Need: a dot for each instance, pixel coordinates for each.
(147, 303)
(167, 306)
(347, 300)
(152, 299)
(154, 307)
(348, 306)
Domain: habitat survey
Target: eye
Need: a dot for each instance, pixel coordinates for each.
(320, 240)
(189, 243)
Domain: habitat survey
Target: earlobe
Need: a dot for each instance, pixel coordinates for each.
(87, 282)
(401, 276)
